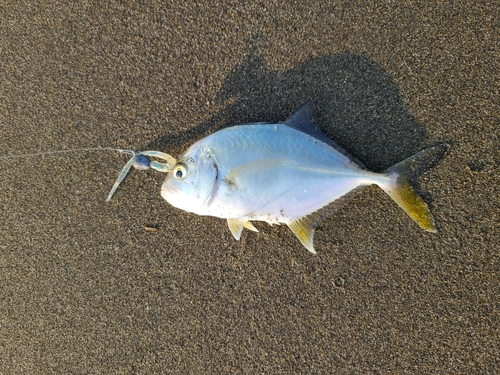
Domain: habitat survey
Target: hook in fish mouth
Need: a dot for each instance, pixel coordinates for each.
(142, 161)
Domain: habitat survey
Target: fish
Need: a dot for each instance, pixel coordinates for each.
(283, 173)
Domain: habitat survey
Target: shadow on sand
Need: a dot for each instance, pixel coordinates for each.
(357, 106)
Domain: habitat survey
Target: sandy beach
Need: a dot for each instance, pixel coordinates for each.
(135, 286)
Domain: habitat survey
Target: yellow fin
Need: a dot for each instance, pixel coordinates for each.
(236, 227)
(248, 225)
(413, 205)
(404, 195)
(304, 231)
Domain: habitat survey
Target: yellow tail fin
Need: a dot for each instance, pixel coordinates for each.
(403, 193)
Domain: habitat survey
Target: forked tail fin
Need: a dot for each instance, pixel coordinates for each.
(403, 193)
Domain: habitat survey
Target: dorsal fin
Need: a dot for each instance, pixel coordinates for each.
(303, 121)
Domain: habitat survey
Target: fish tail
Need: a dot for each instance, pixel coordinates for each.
(404, 194)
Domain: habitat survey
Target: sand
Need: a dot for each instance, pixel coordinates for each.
(88, 287)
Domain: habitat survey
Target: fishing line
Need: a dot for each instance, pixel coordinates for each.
(120, 177)
(139, 160)
(128, 152)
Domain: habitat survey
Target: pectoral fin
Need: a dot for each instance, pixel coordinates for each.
(236, 227)
(304, 230)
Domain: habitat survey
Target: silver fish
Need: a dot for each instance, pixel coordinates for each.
(287, 173)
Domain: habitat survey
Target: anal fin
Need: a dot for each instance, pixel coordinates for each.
(303, 228)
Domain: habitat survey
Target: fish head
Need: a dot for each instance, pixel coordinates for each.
(190, 184)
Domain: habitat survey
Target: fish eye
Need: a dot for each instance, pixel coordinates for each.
(180, 171)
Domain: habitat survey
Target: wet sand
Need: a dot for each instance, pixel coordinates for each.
(89, 287)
